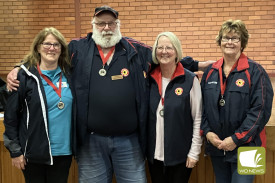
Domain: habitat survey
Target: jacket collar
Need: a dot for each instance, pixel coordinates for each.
(156, 74)
(242, 63)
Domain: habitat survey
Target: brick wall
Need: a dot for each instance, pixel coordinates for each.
(196, 22)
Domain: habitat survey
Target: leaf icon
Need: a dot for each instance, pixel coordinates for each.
(257, 159)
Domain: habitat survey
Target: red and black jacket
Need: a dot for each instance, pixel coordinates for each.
(248, 104)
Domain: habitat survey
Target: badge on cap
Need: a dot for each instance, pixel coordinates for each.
(178, 91)
(240, 82)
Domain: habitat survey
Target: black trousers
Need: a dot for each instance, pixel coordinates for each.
(169, 174)
(56, 173)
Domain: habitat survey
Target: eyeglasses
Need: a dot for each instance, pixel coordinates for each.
(167, 48)
(103, 24)
(47, 45)
(233, 39)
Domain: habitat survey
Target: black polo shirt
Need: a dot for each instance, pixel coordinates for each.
(112, 105)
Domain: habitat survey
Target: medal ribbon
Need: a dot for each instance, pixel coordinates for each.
(105, 59)
(58, 91)
(160, 89)
(223, 85)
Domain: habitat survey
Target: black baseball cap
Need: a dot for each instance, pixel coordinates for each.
(101, 9)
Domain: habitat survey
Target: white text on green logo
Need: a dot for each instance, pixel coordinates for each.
(251, 160)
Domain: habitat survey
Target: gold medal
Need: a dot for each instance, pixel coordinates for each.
(222, 102)
(161, 112)
(60, 105)
(102, 72)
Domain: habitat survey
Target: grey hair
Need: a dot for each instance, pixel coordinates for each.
(175, 42)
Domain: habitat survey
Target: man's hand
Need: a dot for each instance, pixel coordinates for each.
(227, 144)
(213, 139)
(203, 65)
(19, 162)
(12, 82)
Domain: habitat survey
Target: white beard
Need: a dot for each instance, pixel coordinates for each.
(106, 41)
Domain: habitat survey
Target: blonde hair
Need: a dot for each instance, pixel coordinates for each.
(175, 42)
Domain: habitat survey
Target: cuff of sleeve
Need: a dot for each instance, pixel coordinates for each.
(193, 157)
(14, 155)
(196, 65)
(235, 140)
(206, 131)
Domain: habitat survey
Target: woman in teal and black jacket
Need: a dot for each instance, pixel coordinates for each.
(38, 117)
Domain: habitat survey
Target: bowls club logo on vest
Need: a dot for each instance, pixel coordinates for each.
(178, 91)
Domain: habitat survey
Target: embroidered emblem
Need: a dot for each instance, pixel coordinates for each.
(124, 72)
(240, 82)
(178, 91)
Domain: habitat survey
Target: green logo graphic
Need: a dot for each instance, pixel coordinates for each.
(251, 160)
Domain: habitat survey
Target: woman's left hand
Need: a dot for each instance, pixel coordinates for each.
(190, 162)
(227, 144)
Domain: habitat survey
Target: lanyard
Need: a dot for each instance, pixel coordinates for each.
(161, 112)
(58, 91)
(223, 85)
(105, 59)
(160, 91)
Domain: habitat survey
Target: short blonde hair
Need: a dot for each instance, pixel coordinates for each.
(175, 42)
(236, 26)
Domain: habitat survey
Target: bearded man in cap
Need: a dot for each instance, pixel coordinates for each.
(110, 87)
(110, 84)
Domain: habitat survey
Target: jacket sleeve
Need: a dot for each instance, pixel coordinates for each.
(72, 51)
(190, 64)
(11, 122)
(3, 95)
(145, 54)
(261, 97)
(204, 122)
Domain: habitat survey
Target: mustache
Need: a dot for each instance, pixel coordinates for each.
(103, 33)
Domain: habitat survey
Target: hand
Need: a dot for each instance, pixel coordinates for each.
(19, 162)
(190, 162)
(12, 82)
(213, 138)
(227, 144)
(203, 65)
